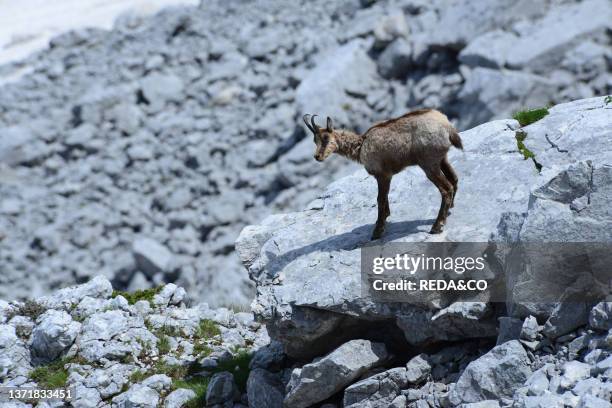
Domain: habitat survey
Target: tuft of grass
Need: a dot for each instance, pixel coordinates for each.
(207, 329)
(163, 345)
(201, 349)
(52, 375)
(527, 154)
(167, 330)
(138, 376)
(238, 365)
(529, 116)
(608, 99)
(199, 385)
(142, 294)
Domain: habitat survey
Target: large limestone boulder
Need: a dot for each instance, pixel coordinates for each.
(306, 265)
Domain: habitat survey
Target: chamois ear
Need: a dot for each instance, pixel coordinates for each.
(330, 125)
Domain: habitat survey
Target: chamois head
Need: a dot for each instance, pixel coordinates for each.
(324, 138)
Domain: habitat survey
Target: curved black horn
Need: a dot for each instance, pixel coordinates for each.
(305, 119)
(312, 122)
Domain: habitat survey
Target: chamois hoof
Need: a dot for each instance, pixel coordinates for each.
(378, 232)
(436, 229)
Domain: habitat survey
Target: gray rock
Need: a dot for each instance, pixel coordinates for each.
(513, 90)
(14, 143)
(417, 369)
(538, 382)
(572, 372)
(550, 400)
(593, 402)
(178, 398)
(489, 50)
(112, 334)
(377, 391)
(137, 396)
(496, 374)
(151, 257)
(158, 382)
(222, 390)
(54, 333)
(567, 316)
(600, 317)
(530, 329)
(159, 88)
(264, 389)
(509, 329)
(482, 404)
(553, 40)
(324, 90)
(395, 60)
(327, 375)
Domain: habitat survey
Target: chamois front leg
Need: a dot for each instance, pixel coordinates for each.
(384, 182)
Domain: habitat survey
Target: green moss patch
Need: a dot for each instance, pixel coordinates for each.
(527, 154)
(144, 294)
(529, 116)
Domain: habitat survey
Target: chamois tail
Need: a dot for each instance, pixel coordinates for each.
(455, 139)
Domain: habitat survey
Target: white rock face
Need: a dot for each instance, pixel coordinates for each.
(54, 333)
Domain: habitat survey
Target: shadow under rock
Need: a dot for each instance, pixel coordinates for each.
(348, 241)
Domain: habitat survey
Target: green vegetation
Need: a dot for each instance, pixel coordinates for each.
(197, 385)
(201, 349)
(527, 154)
(207, 329)
(238, 365)
(53, 374)
(166, 330)
(133, 297)
(529, 116)
(608, 99)
(163, 345)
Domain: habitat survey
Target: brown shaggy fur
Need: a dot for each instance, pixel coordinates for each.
(420, 138)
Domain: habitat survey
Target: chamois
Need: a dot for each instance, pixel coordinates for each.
(421, 138)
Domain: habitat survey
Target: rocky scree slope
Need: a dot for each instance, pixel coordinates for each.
(306, 266)
(142, 151)
(143, 349)
(148, 350)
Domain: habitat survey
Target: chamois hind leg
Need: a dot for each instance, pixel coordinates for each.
(384, 182)
(436, 176)
(451, 176)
